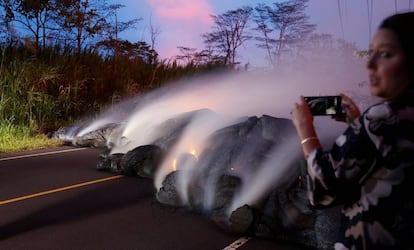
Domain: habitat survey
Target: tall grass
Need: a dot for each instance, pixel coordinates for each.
(43, 90)
(20, 99)
(17, 137)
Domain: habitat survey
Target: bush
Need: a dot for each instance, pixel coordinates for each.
(55, 86)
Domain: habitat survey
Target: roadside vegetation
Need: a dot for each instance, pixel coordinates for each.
(60, 60)
(15, 138)
(42, 92)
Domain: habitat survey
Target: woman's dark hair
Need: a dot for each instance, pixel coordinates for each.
(403, 26)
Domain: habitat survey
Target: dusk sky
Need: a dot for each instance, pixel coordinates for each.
(181, 22)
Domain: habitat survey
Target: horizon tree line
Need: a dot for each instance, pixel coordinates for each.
(281, 29)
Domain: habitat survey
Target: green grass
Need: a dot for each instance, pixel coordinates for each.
(17, 138)
(42, 92)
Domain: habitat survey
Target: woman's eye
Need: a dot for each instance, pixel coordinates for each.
(378, 54)
(384, 54)
(368, 54)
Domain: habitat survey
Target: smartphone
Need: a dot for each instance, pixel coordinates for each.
(325, 105)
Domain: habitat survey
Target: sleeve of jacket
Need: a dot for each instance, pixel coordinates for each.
(335, 176)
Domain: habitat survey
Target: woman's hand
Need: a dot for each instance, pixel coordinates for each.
(302, 118)
(303, 121)
(351, 110)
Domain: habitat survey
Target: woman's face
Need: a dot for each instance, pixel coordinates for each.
(387, 66)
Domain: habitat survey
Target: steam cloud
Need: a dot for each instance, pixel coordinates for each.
(232, 96)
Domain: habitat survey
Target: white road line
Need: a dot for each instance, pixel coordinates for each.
(238, 243)
(41, 154)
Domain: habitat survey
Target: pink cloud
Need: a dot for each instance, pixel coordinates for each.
(184, 10)
(181, 22)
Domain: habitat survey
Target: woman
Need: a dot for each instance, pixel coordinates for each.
(370, 168)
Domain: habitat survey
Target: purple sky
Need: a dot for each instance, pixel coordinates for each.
(181, 22)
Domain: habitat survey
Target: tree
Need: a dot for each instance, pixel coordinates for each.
(4, 26)
(112, 28)
(33, 16)
(72, 22)
(81, 19)
(154, 32)
(132, 51)
(283, 27)
(187, 55)
(229, 33)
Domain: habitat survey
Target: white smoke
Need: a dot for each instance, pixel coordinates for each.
(231, 96)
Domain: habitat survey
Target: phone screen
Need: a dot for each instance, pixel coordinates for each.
(324, 105)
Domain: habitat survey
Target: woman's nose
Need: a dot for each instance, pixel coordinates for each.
(371, 61)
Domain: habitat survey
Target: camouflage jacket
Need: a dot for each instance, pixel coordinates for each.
(370, 171)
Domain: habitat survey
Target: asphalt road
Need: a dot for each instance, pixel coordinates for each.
(56, 199)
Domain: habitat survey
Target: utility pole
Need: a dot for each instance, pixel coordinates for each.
(341, 19)
(116, 32)
(370, 7)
